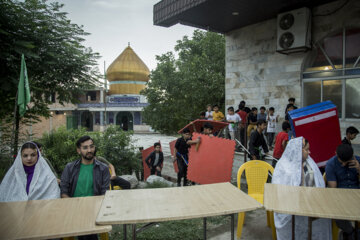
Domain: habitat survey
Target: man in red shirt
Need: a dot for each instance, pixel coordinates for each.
(280, 142)
(243, 115)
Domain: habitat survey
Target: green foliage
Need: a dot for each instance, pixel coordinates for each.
(59, 146)
(55, 57)
(114, 144)
(181, 88)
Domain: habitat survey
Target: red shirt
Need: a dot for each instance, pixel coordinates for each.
(242, 115)
(278, 150)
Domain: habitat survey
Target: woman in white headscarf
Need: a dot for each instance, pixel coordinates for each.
(29, 178)
(297, 168)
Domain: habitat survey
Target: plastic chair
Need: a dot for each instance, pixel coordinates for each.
(256, 173)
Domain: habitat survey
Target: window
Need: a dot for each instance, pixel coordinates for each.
(91, 96)
(332, 72)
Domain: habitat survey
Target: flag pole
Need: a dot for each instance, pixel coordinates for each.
(13, 135)
(105, 95)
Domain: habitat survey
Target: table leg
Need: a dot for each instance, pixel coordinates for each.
(124, 227)
(232, 226)
(134, 231)
(293, 227)
(309, 227)
(356, 230)
(204, 228)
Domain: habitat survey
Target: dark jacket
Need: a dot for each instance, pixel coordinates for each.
(151, 159)
(257, 140)
(70, 175)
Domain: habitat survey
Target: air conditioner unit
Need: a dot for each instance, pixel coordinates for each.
(294, 31)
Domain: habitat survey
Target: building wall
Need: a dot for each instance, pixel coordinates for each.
(256, 73)
(47, 124)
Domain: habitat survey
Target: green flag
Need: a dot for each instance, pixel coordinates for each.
(23, 88)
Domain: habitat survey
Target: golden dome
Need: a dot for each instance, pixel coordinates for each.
(129, 67)
(128, 74)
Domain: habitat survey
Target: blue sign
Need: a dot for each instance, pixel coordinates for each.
(129, 99)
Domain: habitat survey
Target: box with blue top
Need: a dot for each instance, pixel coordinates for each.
(319, 124)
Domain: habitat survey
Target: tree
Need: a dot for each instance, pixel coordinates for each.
(56, 60)
(180, 88)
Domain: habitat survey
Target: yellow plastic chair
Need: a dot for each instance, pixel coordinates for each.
(256, 173)
(115, 187)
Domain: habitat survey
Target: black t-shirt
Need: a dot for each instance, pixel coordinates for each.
(252, 117)
(182, 146)
(345, 141)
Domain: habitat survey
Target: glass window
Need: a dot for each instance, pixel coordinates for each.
(352, 98)
(312, 93)
(352, 47)
(332, 91)
(317, 71)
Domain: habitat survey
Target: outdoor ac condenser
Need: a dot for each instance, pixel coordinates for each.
(294, 31)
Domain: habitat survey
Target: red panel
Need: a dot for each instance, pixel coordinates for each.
(172, 146)
(323, 135)
(144, 155)
(213, 161)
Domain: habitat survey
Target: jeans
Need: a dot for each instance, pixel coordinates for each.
(182, 172)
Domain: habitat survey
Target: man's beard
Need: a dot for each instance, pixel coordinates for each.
(88, 156)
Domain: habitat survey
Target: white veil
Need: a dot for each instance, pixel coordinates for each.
(288, 172)
(43, 184)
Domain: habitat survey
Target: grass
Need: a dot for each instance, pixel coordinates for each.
(190, 229)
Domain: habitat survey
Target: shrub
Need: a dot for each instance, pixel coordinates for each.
(59, 147)
(115, 145)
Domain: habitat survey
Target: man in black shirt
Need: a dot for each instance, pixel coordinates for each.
(351, 133)
(257, 140)
(181, 150)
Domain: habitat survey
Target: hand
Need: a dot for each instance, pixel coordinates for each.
(354, 164)
(112, 177)
(173, 158)
(158, 169)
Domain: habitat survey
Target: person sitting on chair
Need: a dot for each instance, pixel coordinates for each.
(342, 171)
(114, 179)
(297, 168)
(29, 178)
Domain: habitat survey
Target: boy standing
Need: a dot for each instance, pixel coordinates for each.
(271, 127)
(155, 160)
(217, 115)
(280, 142)
(262, 114)
(181, 150)
(257, 140)
(209, 112)
(252, 118)
(351, 133)
(234, 120)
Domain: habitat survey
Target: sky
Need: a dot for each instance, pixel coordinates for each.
(112, 24)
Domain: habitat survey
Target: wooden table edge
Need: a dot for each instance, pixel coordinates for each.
(136, 221)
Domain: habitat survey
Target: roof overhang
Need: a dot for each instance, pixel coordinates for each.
(224, 15)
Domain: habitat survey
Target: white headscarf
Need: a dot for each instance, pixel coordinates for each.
(288, 172)
(43, 184)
